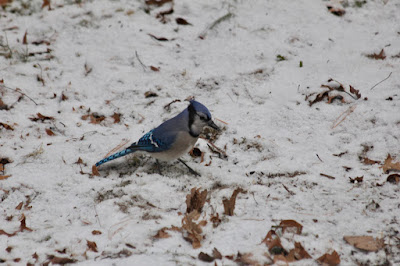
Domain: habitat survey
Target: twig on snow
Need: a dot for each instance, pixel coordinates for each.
(381, 81)
(343, 116)
(17, 90)
(215, 23)
(140, 61)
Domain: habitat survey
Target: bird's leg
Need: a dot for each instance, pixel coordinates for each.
(158, 165)
(190, 169)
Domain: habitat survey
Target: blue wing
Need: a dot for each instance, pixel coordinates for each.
(154, 141)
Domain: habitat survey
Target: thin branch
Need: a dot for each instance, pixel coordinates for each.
(140, 61)
(343, 116)
(5, 87)
(381, 81)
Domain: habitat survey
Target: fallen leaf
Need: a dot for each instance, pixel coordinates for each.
(273, 243)
(298, 253)
(4, 3)
(366, 243)
(205, 257)
(338, 11)
(162, 234)
(2, 232)
(229, 205)
(79, 161)
(63, 97)
(155, 69)
(192, 229)
(2, 177)
(49, 132)
(116, 117)
(290, 225)
(95, 172)
(94, 118)
(160, 39)
(46, 3)
(24, 39)
(182, 21)
(388, 165)
(329, 259)
(41, 118)
(149, 94)
(217, 254)
(19, 206)
(355, 92)
(92, 245)
(245, 259)
(336, 97)
(358, 179)
(3, 106)
(380, 56)
(368, 161)
(23, 226)
(195, 200)
(215, 220)
(393, 178)
(58, 260)
(6, 126)
(96, 232)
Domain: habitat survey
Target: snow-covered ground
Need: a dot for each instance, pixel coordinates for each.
(256, 65)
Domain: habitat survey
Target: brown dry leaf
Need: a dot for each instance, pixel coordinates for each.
(298, 253)
(368, 161)
(182, 21)
(205, 257)
(338, 11)
(24, 39)
(2, 232)
(23, 226)
(358, 179)
(215, 220)
(319, 97)
(2, 177)
(229, 205)
(193, 230)
(355, 92)
(95, 172)
(41, 118)
(19, 206)
(160, 39)
(1, 167)
(380, 56)
(273, 243)
(162, 234)
(6, 126)
(388, 165)
(155, 69)
(149, 94)
(290, 225)
(46, 3)
(245, 259)
(58, 260)
(366, 243)
(63, 97)
(217, 254)
(336, 97)
(4, 3)
(195, 200)
(79, 161)
(329, 259)
(393, 178)
(91, 245)
(96, 232)
(116, 117)
(49, 132)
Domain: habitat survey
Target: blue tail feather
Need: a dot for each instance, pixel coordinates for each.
(115, 156)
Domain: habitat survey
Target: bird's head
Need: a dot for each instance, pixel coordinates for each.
(199, 117)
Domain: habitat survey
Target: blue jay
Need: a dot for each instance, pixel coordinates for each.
(173, 138)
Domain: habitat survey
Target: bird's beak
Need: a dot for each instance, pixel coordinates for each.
(213, 125)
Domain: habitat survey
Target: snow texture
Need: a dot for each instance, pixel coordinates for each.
(100, 57)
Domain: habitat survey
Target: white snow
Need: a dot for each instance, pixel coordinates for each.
(271, 130)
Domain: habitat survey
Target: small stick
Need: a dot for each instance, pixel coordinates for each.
(328, 176)
(221, 121)
(381, 81)
(344, 115)
(318, 157)
(215, 23)
(5, 87)
(143, 65)
(290, 192)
